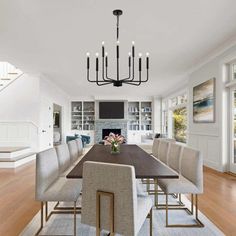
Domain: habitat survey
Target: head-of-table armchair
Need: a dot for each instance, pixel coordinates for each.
(110, 200)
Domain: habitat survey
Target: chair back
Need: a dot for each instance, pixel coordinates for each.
(116, 179)
(163, 151)
(47, 171)
(80, 146)
(192, 167)
(73, 149)
(63, 156)
(155, 147)
(174, 155)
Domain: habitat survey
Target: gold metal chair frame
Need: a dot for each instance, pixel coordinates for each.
(62, 210)
(198, 222)
(112, 217)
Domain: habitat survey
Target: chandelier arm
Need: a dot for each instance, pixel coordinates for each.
(139, 81)
(103, 83)
(128, 79)
(108, 77)
(94, 81)
(103, 74)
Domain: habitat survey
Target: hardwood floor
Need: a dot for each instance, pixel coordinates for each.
(17, 204)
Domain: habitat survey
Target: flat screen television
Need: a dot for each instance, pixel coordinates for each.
(111, 110)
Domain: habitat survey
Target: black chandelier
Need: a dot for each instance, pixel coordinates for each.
(118, 82)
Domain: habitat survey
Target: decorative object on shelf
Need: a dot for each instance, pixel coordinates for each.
(204, 102)
(114, 140)
(118, 82)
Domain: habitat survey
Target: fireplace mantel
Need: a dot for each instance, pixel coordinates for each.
(110, 124)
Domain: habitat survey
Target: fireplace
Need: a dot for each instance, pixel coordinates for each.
(106, 132)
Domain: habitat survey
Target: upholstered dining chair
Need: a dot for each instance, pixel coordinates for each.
(80, 146)
(162, 155)
(51, 188)
(163, 151)
(190, 182)
(73, 149)
(110, 189)
(64, 159)
(155, 146)
(174, 155)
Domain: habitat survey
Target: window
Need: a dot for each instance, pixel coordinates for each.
(233, 66)
(180, 124)
(165, 119)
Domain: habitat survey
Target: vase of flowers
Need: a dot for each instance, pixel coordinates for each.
(114, 140)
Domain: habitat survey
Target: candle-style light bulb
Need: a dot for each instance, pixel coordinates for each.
(96, 54)
(87, 60)
(103, 43)
(147, 54)
(129, 60)
(106, 54)
(140, 54)
(117, 42)
(133, 43)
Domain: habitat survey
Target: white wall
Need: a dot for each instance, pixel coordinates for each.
(20, 108)
(20, 100)
(53, 94)
(209, 137)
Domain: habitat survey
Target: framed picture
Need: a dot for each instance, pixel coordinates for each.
(204, 102)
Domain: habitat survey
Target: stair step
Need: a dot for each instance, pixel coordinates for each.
(17, 158)
(12, 152)
(17, 161)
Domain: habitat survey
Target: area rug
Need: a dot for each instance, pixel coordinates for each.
(63, 224)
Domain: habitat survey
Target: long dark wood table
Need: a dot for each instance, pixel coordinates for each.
(145, 165)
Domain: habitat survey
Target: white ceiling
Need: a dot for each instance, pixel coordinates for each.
(52, 37)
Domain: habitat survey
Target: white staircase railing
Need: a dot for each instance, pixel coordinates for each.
(8, 74)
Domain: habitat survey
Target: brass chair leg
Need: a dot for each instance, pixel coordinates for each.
(150, 222)
(74, 218)
(148, 185)
(198, 222)
(41, 223)
(46, 211)
(179, 205)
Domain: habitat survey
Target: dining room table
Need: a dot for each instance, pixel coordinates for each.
(146, 166)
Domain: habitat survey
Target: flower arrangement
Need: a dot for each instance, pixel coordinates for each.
(114, 140)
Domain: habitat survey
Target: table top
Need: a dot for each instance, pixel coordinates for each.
(145, 165)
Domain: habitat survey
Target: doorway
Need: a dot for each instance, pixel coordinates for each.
(57, 124)
(232, 161)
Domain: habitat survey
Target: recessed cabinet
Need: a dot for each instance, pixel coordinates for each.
(140, 116)
(82, 115)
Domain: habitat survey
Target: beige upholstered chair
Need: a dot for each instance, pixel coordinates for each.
(189, 182)
(174, 155)
(51, 188)
(64, 160)
(155, 147)
(80, 146)
(111, 190)
(163, 151)
(73, 149)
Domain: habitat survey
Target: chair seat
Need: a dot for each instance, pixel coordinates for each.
(67, 190)
(144, 206)
(180, 185)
